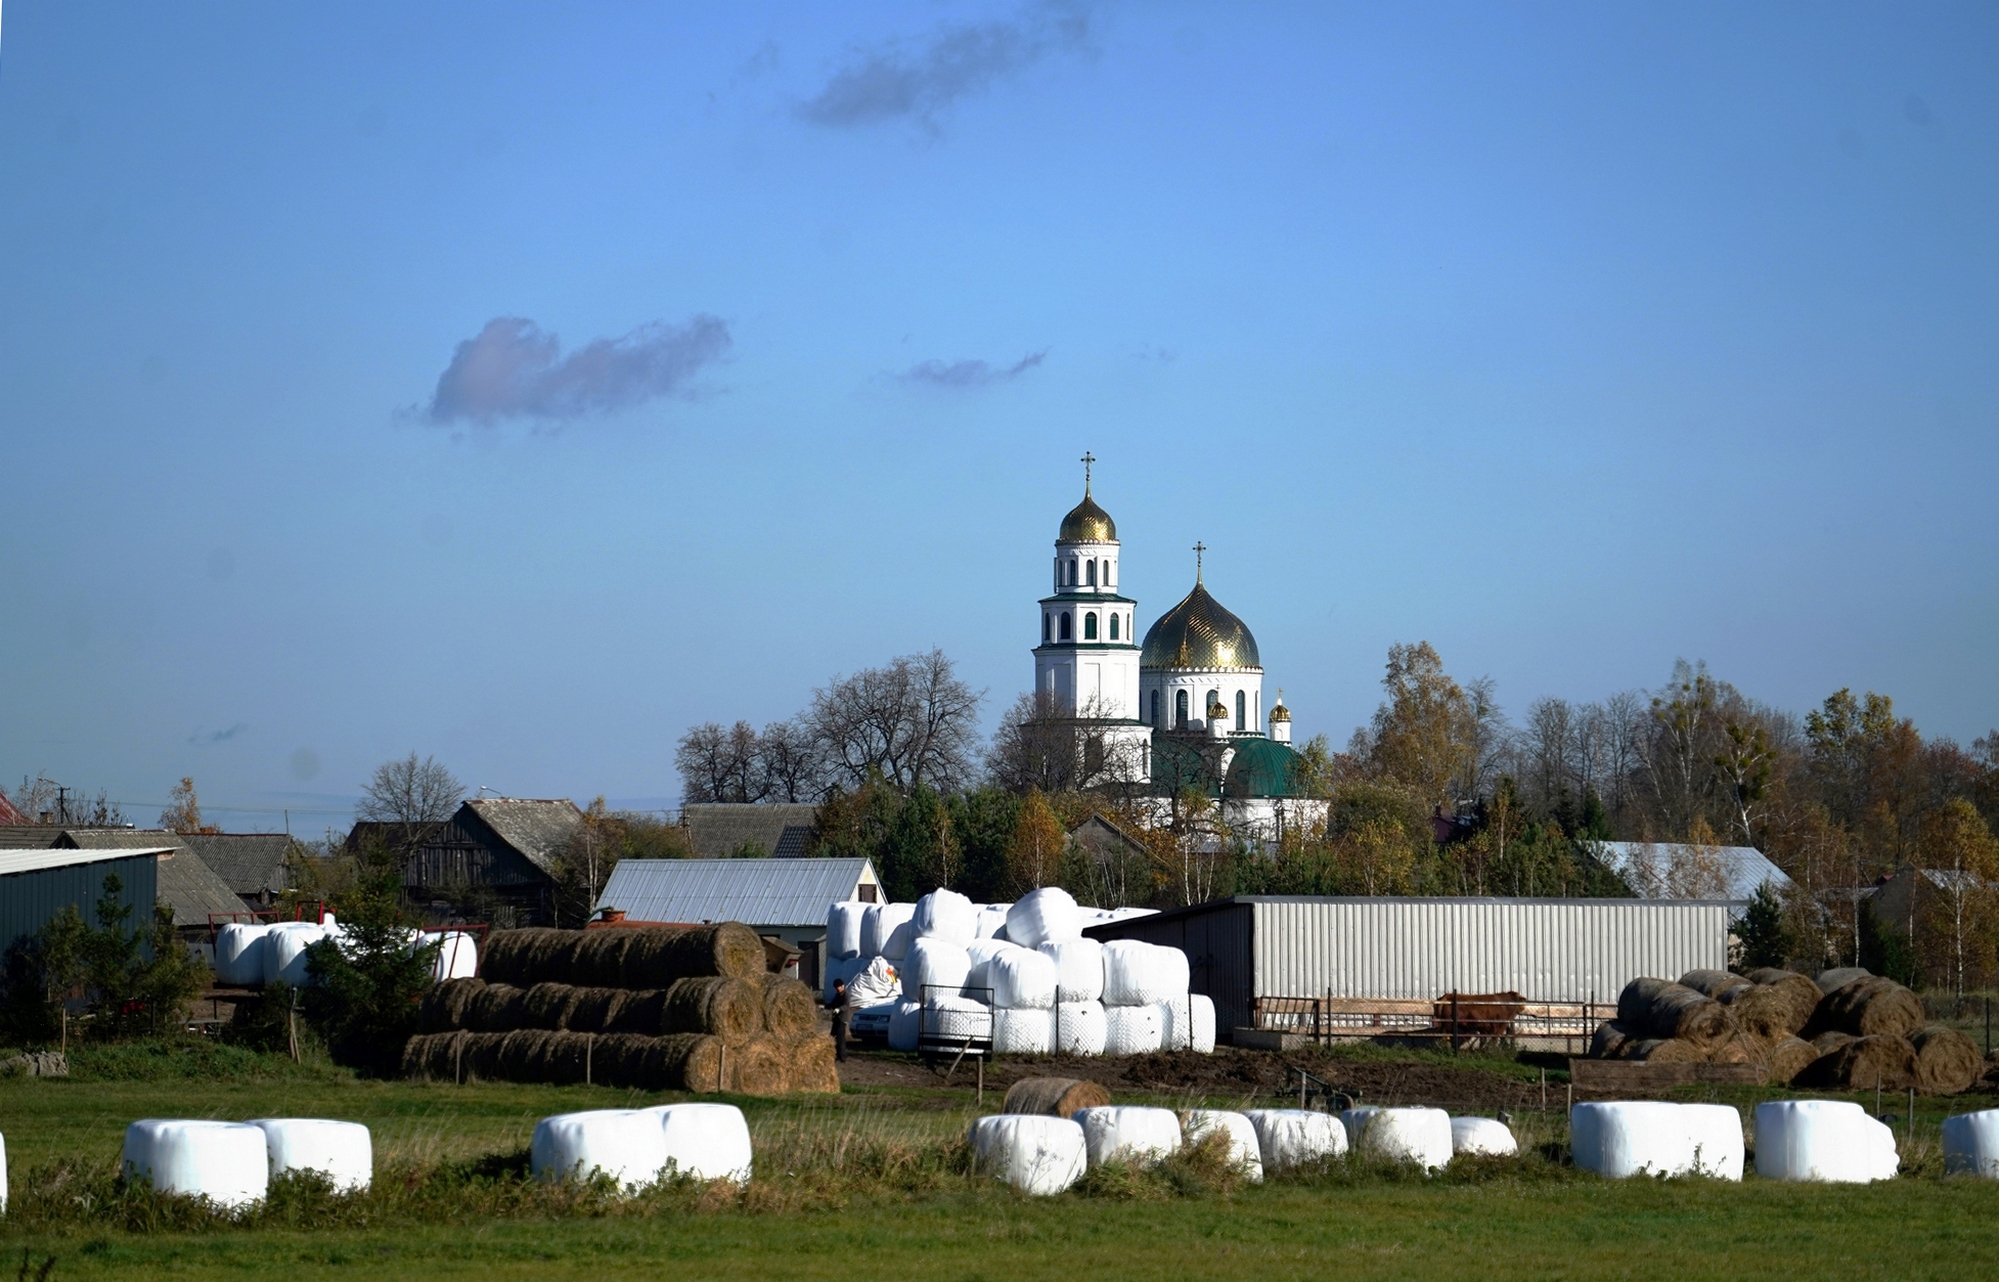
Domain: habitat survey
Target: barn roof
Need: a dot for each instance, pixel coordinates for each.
(720, 829)
(250, 862)
(1647, 868)
(538, 829)
(757, 892)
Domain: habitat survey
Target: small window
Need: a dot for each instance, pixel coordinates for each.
(1047, 627)
(866, 894)
(1093, 574)
(1155, 707)
(1065, 625)
(1241, 711)
(1179, 709)
(1090, 626)
(1113, 627)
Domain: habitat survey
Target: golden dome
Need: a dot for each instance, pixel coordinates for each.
(1199, 633)
(1280, 712)
(1087, 523)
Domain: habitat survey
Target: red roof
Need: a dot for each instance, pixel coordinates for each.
(9, 815)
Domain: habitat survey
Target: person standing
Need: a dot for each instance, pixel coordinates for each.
(842, 1014)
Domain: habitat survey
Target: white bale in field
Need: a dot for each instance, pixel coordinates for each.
(1714, 1138)
(1245, 1149)
(934, 968)
(239, 953)
(843, 929)
(1127, 1133)
(623, 1143)
(1045, 916)
(1132, 1030)
(842, 969)
(704, 1141)
(878, 922)
(1140, 974)
(1022, 979)
(341, 1151)
(946, 915)
(957, 1019)
(1820, 1139)
(3, 1174)
(1288, 1137)
(457, 954)
(283, 954)
(905, 1026)
(1419, 1135)
(1036, 1154)
(896, 946)
(1023, 1031)
(1971, 1144)
(1485, 1136)
(992, 921)
(1079, 969)
(1176, 1023)
(1080, 1028)
(982, 952)
(1620, 1139)
(225, 1162)
(1201, 1008)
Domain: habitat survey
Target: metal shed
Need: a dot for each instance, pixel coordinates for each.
(36, 884)
(1267, 949)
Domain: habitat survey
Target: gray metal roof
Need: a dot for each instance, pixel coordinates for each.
(13, 861)
(757, 892)
(1664, 870)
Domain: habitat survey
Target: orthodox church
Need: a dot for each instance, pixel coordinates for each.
(1183, 708)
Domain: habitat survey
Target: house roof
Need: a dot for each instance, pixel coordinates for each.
(8, 814)
(538, 829)
(34, 860)
(192, 889)
(757, 892)
(720, 829)
(249, 862)
(1097, 832)
(1647, 868)
(31, 836)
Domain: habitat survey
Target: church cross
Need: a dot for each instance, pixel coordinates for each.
(1088, 458)
(1198, 549)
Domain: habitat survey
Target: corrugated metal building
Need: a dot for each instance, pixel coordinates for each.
(1548, 950)
(35, 884)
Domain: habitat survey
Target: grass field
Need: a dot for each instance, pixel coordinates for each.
(873, 1183)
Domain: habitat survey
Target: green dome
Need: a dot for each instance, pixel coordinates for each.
(1261, 768)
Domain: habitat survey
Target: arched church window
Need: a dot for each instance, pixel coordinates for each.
(1090, 626)
(1065, 625)
(1241, 711)
(1155, 708)
(1113, 626)
(1047, 627)
(1179, 709)
(1093, 574)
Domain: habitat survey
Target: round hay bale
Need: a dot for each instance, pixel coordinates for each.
(1054, 1096)
(543, 1005)
(618, 1059)
(812, 1067)
(1608, 1041)
(599, 957)
(1864, 1063)
(1713, 983)
(496, 1008)
(1778, 1003)
(1828, 1042)
(1872, 1007)
(1662, 1009)
(1669, 1050)
(1829, 981)
(594, 1010)
(641, 1011)
(789, 1011)
(1743, 1048)
(731, 1009)
(1789, 1056)
(444, 1005)
(566, 1058)
(694, 1062)
(479, 1055)
(516, 1058)
(505, 959)
(415, 1063)
(1947, 1061)
(658, 955)
(760, 1066)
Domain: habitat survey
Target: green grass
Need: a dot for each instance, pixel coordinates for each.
(871, 1185)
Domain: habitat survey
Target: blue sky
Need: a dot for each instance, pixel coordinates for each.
(522, 384)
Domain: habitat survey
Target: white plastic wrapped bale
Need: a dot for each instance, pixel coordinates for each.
(1080, 1028)
(875, 982)
(1045, 916)
(3, 1174)
(1620, 1139)
(1290, 1137)
(982, 952)
(1482, 1136)
(992, 921)
(1126, 1133)
(1132, 1030)
(704, 1141)
(224, 1162)
(843, 928)
(905, 1026)
(946, 915)
(878, 923)
(1714, 1134)
(934, 968)
(956, 1020)
(457, 954)
(1820, 1139)
(1245, 1149)
(623, 1143)
(1036, 1154)
(1201, 1008)
(1419, 1135)
(284, 958)
(1022, 979)
(1176, 1024)
(1079, 969)
(341, 1151)
(1023, 1031)
(239, 954)
(896, 946)
(1140, 974)
(843, 970)
(1971, 1144)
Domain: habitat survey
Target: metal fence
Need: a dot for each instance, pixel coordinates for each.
(1333, 1019)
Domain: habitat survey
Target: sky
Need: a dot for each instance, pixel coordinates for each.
(523, 384)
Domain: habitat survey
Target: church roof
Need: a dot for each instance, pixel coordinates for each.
(1087, 523)
(1199, 633)
(1261, 768)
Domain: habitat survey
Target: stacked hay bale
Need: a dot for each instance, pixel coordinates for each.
(1846, 1030)
(656, 1008)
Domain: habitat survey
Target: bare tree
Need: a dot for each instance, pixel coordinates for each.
(718, 764)
(792, 767)
(43, 800)
(912, 722)
(411, 794)
(1039, 744)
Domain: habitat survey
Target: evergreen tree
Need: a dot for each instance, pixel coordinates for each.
(1766, 940)
(366, 985)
